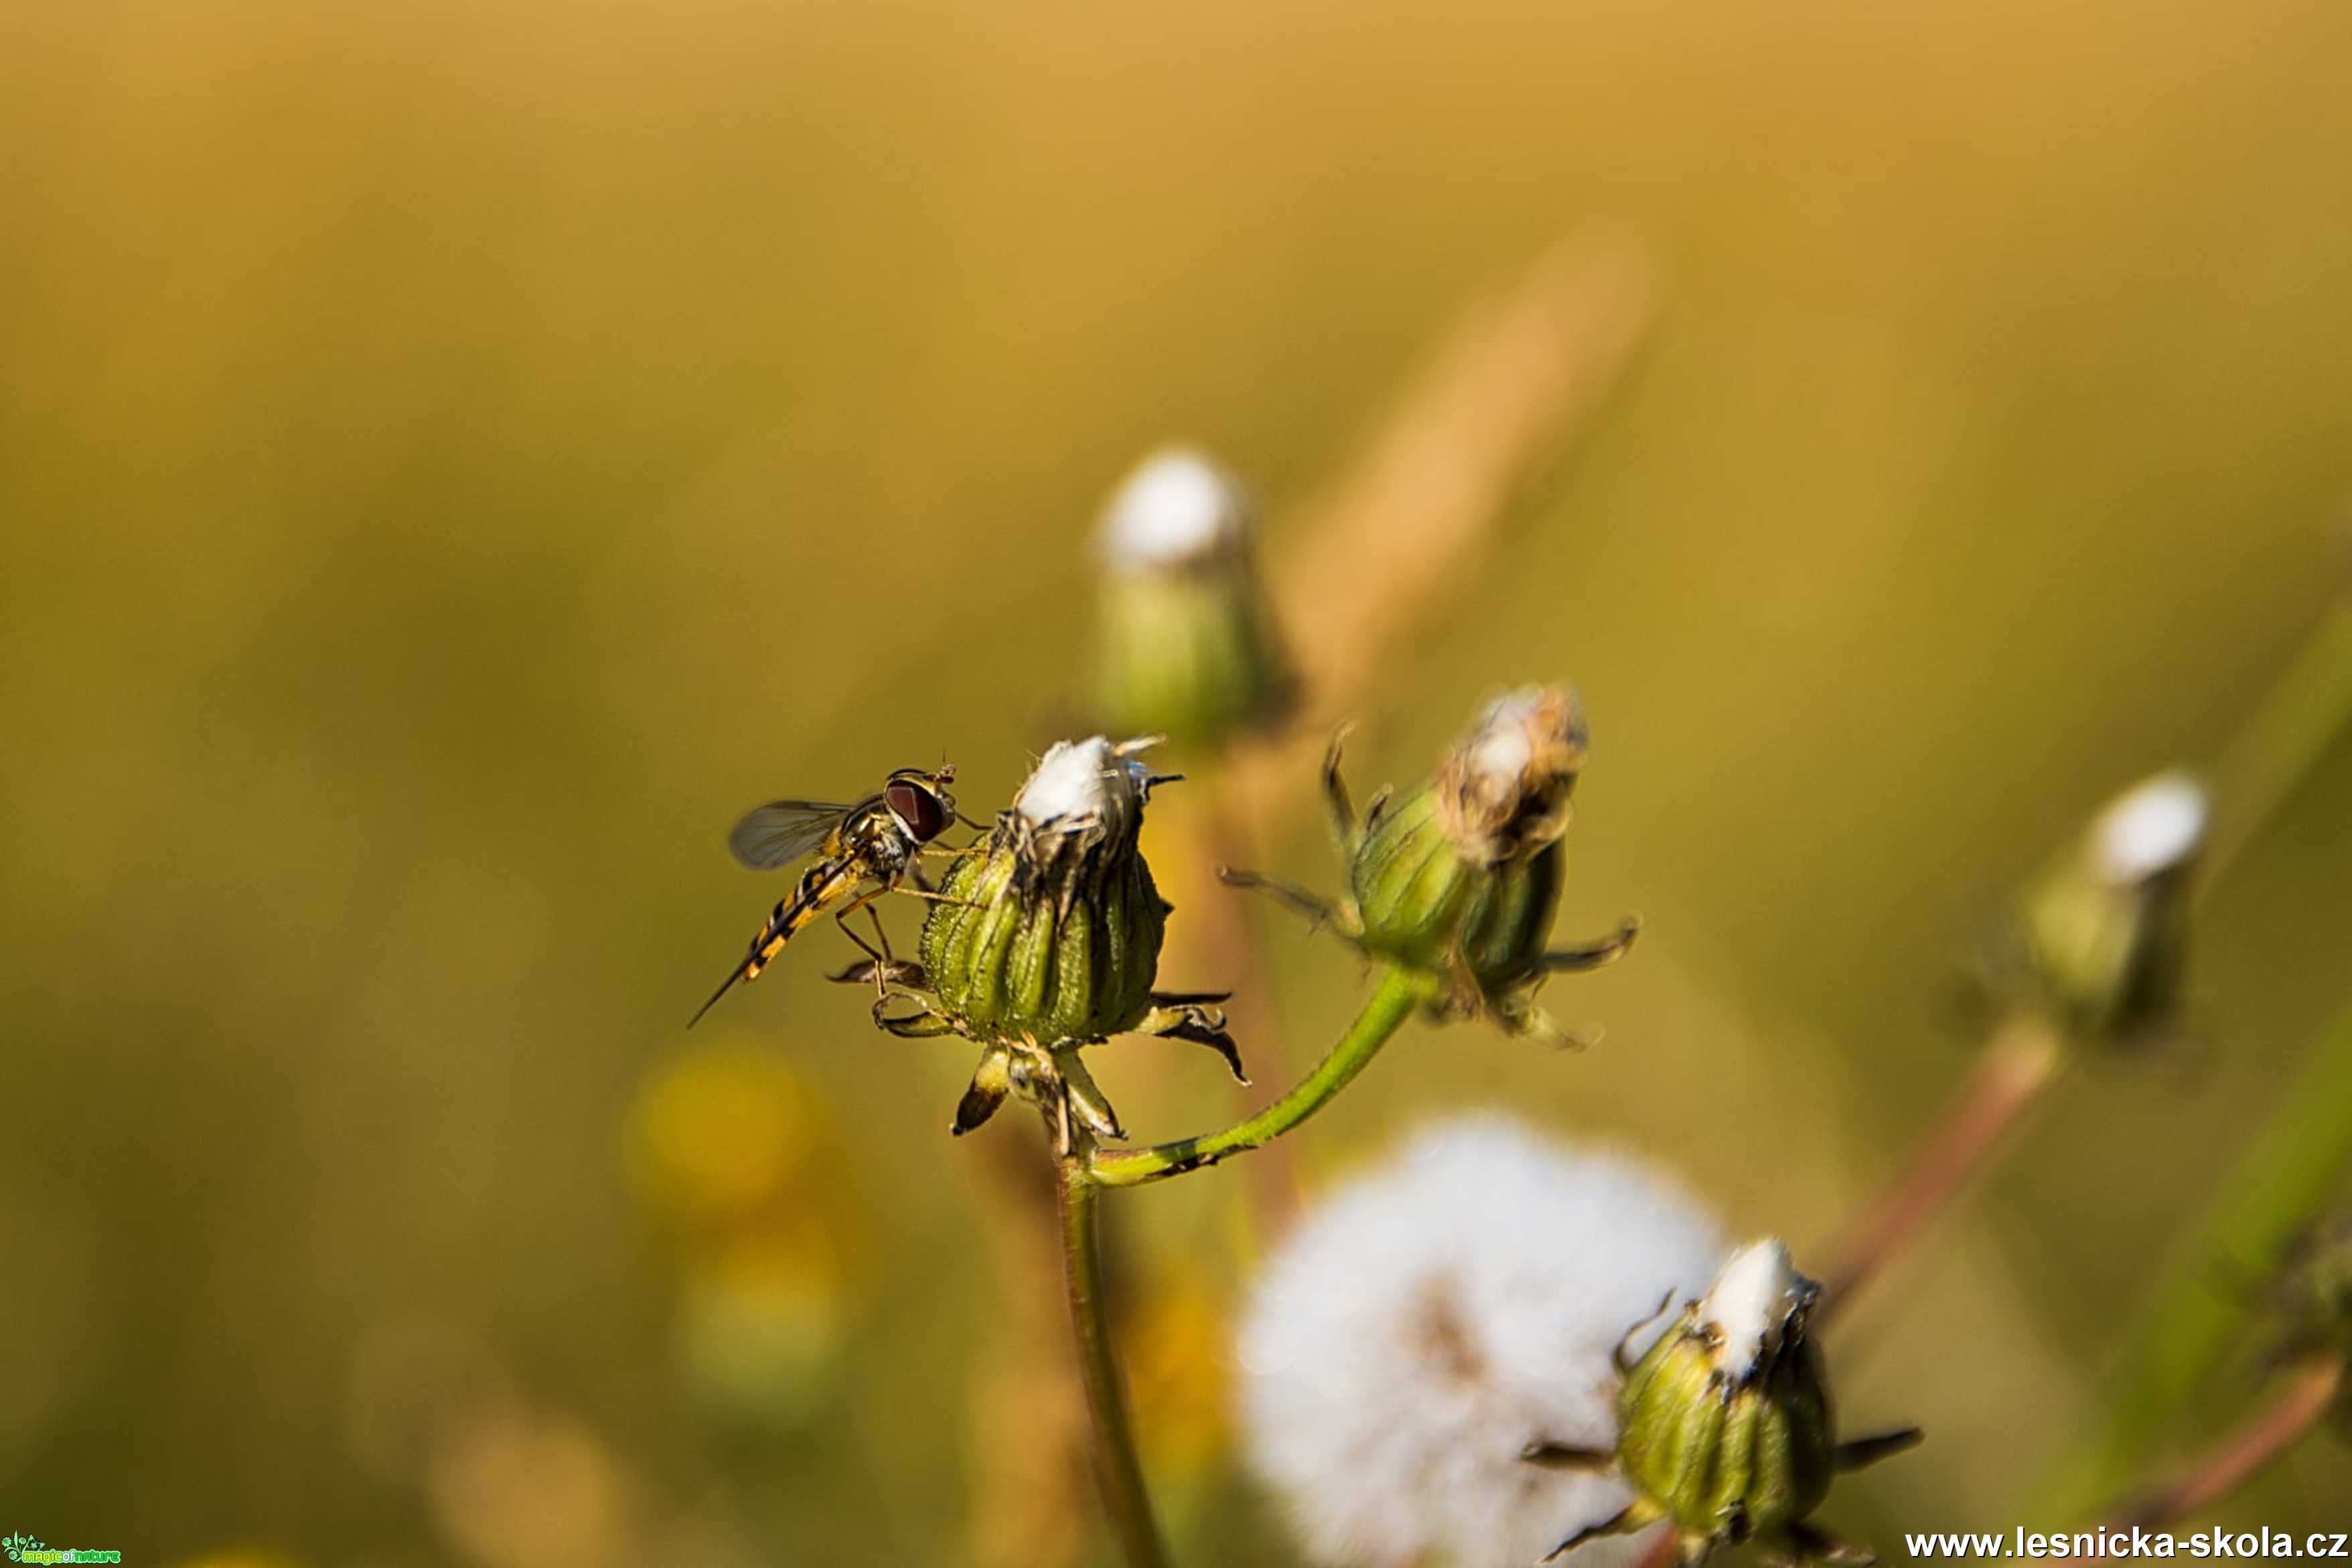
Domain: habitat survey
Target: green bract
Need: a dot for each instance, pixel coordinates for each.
(1459, 878)
(1044, 939)
(1421, 901)
(1724, 1425)
(1072, 959)
(1723, 1458)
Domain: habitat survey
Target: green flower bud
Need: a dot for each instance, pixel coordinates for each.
(1462, 874)
(1724, 1425)
(1045, 938)
(2099, 940)
(1052, 932)
(1188, 651)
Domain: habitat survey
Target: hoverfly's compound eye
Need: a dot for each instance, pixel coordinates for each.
(925, 816)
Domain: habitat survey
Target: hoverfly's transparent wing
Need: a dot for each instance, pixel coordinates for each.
(783, 830)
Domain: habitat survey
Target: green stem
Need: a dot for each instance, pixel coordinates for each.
(2187, 1325)
(1117, 1471)
(2296, 723)
(1399, 992)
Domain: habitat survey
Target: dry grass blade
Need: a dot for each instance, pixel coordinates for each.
(1506, 391)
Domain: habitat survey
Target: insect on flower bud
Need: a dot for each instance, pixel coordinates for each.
(1724, 1424)
(2099, 940)
(1052, 932)
(1462, 874)
(1188, 650)
(1046, 937)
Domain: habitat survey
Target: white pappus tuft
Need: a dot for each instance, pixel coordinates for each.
(2151, 828)
(1752, 1303)
(1435, 1317)
(1176, 507)
(1082, 783)
(1500, 748)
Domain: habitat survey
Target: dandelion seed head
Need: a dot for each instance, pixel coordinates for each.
(1177, 507)
(1079, 783)
(1503, 790)
(1752, 1305)
(2151, 828)
(1439, 1314)
(1501, 748)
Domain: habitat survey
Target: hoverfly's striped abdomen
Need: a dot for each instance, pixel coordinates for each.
(819, 886)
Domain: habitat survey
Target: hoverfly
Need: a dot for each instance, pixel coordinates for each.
(872, 844)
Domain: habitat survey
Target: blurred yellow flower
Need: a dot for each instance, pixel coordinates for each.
(727, 1134)
(1177, 1360)
(732, 1147)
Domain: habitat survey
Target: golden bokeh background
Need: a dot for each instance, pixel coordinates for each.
(454, 457)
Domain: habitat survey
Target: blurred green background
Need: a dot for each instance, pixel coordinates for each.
(454, 457)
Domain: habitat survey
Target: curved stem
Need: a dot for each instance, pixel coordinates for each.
(2237, 1458)
(1117, 1471)
(1391, 1002)
(2243, 1455)
(2015, 1066)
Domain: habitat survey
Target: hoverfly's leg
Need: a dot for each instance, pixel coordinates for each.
(1172, 1018)
(1319, 911)
(841, 918)
(1337, 807)
(882, 959)
(1593, 955)
(882, 973)
(938, 897)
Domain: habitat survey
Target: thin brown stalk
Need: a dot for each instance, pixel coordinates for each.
(1029, 1494)
(2233, 1461)
(2243, 1455)
(1518, 378)
(2013, 1070)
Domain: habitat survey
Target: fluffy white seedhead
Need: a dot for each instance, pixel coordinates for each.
(1177, 507)
(1504, 748)
(1503, 790)
(1081, 783)
(1439, 1314)
(1753, 1304)
(2151, 828)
